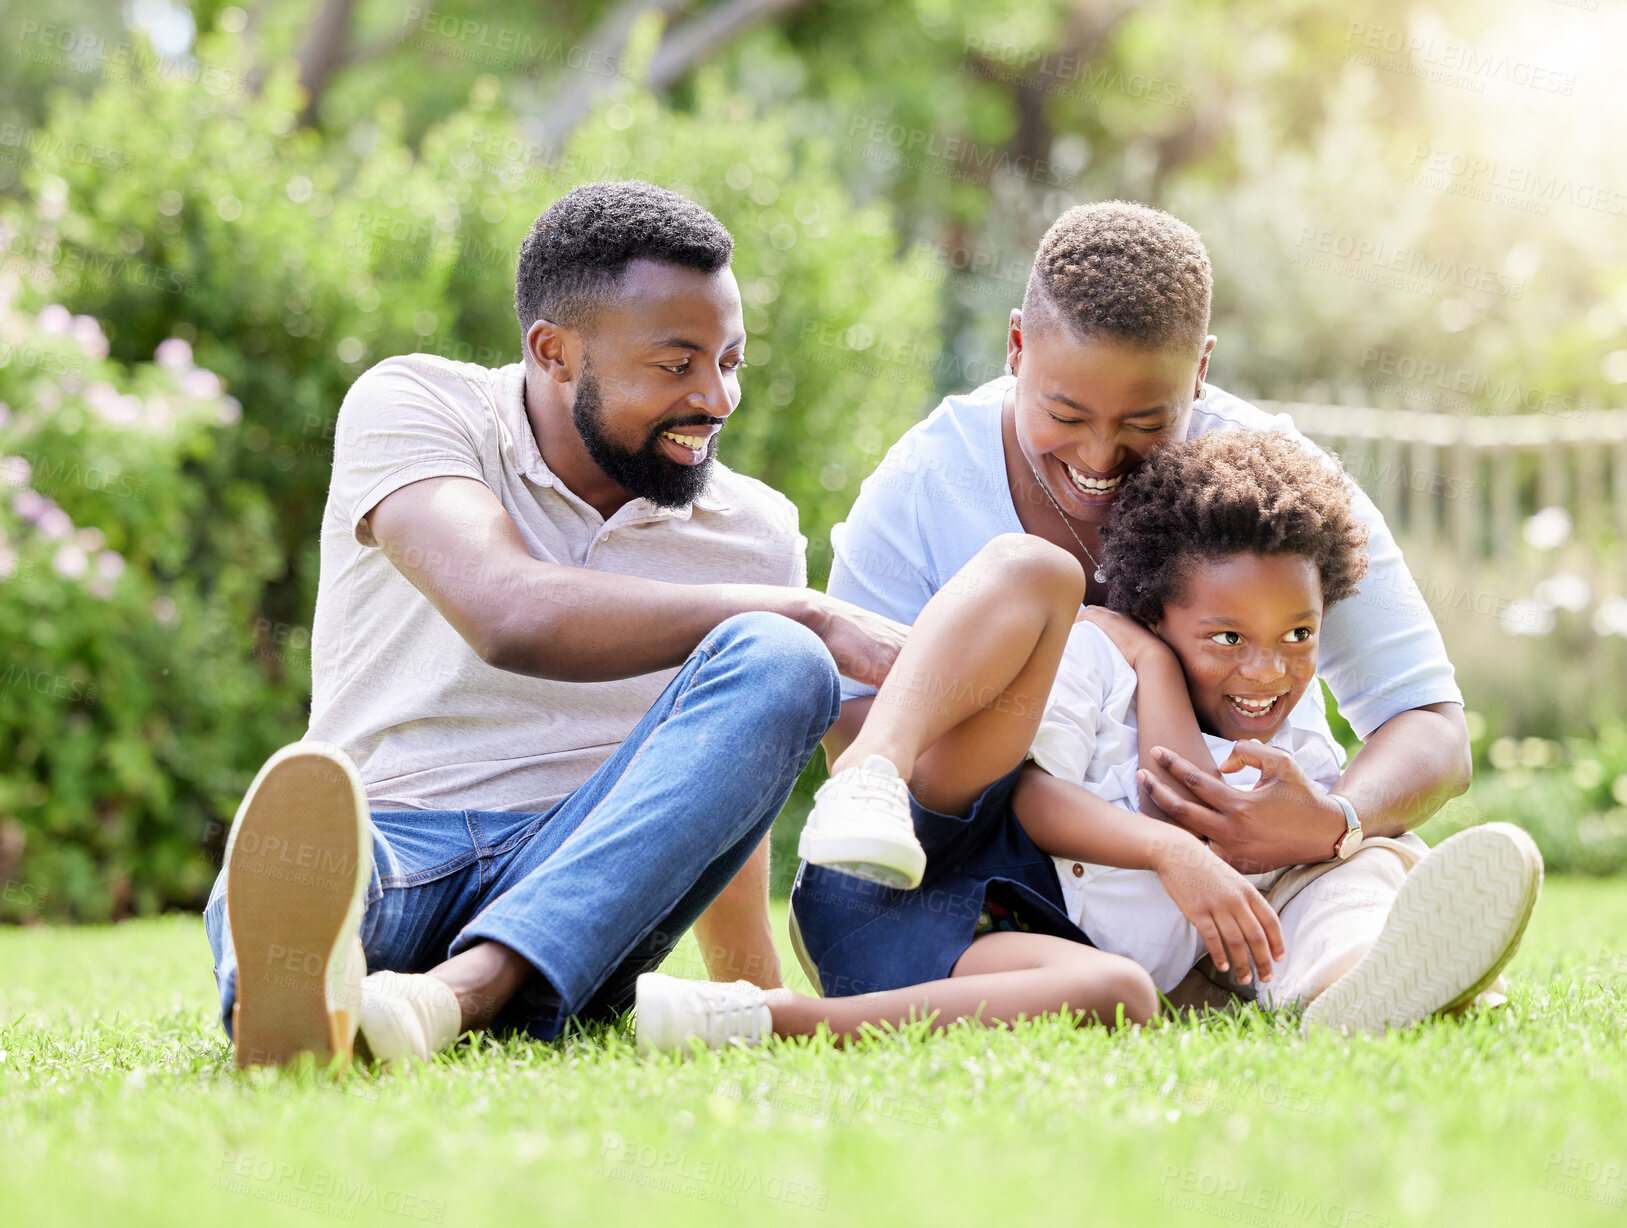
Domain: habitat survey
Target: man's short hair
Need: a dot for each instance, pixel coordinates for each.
(572, 260)
(1221, 494)
(1122, 271)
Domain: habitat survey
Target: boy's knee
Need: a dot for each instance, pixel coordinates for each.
(1117, 981)
(1030, 563)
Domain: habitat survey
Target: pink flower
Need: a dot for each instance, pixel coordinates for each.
(88, 333)
(201, 384)
(110, 565)
(70, 561)
(54, 524)
(231, 411)
(55, 320)
(173, 353)
(30, 505)
(164, 610)
(90, 539)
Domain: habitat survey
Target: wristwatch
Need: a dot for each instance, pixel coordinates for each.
(1350, 841)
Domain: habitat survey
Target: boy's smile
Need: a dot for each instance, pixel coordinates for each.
(1245, 630)
(1088, 410)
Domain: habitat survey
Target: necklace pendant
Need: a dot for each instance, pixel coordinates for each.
(1101, 576)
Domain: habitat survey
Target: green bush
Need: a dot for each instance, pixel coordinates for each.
(132, 672)
(1570, 797)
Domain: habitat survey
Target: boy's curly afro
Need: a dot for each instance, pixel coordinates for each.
(1222, 494)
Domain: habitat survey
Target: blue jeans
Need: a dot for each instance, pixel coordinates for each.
(601, 886)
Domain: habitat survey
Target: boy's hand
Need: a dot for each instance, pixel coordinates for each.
(1128, 636)
(1230, 915)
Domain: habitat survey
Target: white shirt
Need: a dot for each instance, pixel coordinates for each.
(1088, 736)
(429, 724)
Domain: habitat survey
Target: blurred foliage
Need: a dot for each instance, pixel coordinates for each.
(1570, 796)
(136, 671)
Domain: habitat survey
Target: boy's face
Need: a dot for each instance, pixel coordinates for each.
(1246, 630)
(1088, 411)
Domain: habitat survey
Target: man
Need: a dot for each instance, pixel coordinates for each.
(566, 671)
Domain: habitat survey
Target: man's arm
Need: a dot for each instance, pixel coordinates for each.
(734, 933)
(453, 539)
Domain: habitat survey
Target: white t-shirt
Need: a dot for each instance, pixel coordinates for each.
(429, 724)
(1088, 735)
(940, 496)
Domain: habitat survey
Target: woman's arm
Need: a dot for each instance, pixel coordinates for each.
(1414, 762)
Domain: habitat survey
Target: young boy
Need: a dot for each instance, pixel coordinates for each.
(1224, 553)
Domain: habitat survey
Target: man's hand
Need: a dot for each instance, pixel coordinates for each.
(1229, 913)
(1285, 820)
(1128, 636)
(864, 644)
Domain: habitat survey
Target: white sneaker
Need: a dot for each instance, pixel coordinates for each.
(860, 825)
(297, 865)
(1455, 923)
(408, 1015)
(673, 1013)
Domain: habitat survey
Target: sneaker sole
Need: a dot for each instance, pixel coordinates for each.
(1455, 923)
(875, 861)
(297, 865)
(799, 948)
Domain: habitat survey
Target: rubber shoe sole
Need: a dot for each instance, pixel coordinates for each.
(1455, 923)
(891, 864)
(297, 866)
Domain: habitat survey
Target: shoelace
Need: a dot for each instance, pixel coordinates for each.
(727, 1016)
(890, 794)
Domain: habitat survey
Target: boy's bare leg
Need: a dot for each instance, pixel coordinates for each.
(960, 707)
(1001, 977)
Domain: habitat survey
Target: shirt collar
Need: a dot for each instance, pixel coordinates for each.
(521, 443)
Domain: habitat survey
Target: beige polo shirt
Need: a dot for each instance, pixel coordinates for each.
(429, 724)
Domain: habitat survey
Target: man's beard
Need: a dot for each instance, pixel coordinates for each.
(647, 473)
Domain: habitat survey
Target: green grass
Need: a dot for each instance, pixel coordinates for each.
(119, 1104)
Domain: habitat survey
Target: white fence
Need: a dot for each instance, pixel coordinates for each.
(1465, 483)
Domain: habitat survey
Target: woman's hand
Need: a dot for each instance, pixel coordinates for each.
(1285, 820)
(1229, 913)
(1128, 636)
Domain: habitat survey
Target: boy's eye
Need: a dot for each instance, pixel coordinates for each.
(736, 364)
(1064, 421)
(1299, 635)
(1229, 638)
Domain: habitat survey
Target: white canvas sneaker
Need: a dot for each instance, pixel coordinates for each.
(860, 825)
(673, 1013)
(297, 864)
(1455, 923)
(408, 1015)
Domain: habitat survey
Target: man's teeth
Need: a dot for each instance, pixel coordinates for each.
(693, 442)
(1252, 707)
(1094, 486)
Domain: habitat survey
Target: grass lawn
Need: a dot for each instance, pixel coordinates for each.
(119, 1104)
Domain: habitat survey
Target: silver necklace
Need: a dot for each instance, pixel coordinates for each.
(1099, 575)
